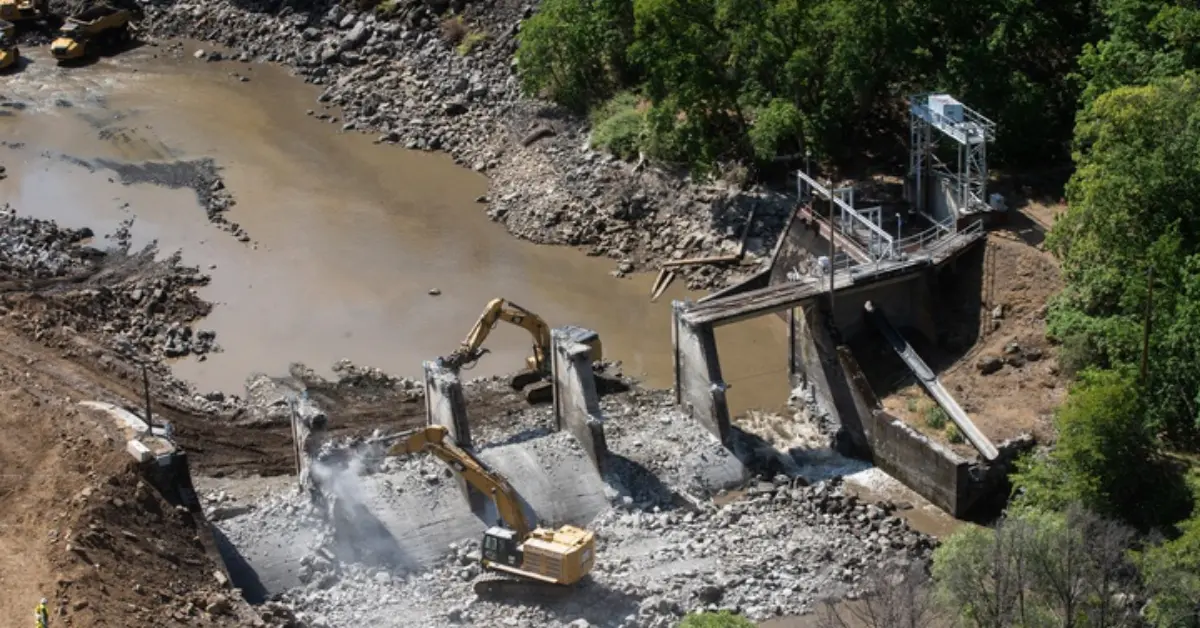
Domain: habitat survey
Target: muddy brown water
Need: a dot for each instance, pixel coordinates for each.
(348, 236)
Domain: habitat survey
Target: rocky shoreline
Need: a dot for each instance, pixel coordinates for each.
(404, 81)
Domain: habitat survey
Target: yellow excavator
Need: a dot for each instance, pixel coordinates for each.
(534, 562)
(533, 381)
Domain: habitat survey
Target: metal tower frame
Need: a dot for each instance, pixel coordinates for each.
(969, 129)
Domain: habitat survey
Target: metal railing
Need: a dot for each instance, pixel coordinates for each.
(846, 214)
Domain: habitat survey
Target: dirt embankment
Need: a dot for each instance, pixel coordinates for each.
(992, 352)
(402, 80)
(79, 526)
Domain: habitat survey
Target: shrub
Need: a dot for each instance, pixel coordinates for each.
(469, 42)
(953, 434)
(454, 30)
(936, 417)
(723, 619)
(618, 126)
(777, 126)
(387, 7)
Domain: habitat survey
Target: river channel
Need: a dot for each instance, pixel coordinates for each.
(348, 237)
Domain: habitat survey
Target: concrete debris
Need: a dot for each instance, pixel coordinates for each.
(410, 547)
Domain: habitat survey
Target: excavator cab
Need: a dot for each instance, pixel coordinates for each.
(501, 546)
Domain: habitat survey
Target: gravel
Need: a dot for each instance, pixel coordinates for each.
(401, 81)
(110, 304)
(670, 538)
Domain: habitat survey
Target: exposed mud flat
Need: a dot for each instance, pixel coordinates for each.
(344, 238)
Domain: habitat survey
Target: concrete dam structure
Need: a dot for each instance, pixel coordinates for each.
(896, 279)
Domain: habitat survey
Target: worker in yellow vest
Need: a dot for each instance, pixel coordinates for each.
(42, 615)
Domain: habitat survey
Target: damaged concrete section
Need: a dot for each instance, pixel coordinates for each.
(576, 399)
(308, 433)
(445, 404)
(698, 383)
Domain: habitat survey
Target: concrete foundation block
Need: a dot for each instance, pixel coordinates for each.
(698, 384)
(445, 404)
(309, 424)
(576, 399)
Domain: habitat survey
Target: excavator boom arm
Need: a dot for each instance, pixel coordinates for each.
(509, 312)
(435, 440)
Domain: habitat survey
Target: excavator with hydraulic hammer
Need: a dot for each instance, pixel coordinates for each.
(534, 380)
(532, 562)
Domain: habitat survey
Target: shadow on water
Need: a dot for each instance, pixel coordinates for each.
(242, 575)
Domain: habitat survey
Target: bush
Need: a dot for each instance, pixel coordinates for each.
(777, 126)
(573, 51)
(454, 30)
(1172, 573)
(1105, 457)
(387, 8)
(469, 42)
(936, 417)
(723, 619)
(618, 126)
(954, 435)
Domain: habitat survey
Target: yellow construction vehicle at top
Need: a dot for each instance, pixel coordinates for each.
(544, 562)
(101, 28)
(24, 10)
(9, 55)
(533, 380)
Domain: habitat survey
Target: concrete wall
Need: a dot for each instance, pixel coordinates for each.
(445, 404)
(576, 401)
(831, 371)
(308, 432)
(907, 300)
(816, 368)
(698, 384)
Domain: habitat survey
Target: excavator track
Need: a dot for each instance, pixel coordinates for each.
(501, 588)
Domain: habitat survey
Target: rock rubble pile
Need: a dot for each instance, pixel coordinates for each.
(139, 307)
(410, 83)
(774, 549)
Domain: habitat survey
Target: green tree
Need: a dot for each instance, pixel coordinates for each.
(574, 50)
(1036, 569)
(1147, 40)
(1105, 457)
(1133, 206)
(1172, 574)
